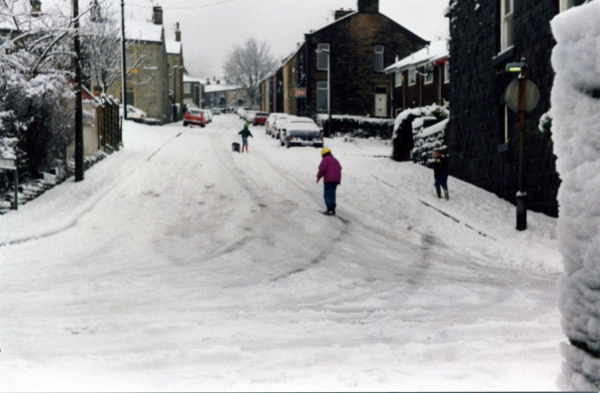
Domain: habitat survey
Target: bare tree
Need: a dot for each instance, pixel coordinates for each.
(101, 44)
(248, 64)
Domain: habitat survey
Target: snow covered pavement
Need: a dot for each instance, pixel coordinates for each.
(178, 265)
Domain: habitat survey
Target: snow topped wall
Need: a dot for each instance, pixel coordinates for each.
(576, 134)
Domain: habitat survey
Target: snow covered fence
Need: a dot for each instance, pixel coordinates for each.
(576, 135)
(358, 127)
(427, 139)
(403, 137)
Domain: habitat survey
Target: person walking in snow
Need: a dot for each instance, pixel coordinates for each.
(330, 171)
(440, 173)
(245, 133)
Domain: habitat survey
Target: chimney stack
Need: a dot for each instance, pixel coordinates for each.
(342, 13)
(368, 6)
(36, 8)
(157, 17)
(178, 34)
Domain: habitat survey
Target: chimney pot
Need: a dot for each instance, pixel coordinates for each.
(342, 13)
(157, 17)
(178, 34)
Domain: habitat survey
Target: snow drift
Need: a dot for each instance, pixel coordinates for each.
(576, 134)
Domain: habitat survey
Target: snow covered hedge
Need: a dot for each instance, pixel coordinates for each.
(576, 135)
(359, 127)
(403, 138)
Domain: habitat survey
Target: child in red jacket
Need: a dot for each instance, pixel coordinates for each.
(331, 172)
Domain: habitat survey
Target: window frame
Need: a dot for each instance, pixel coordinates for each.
(379, 52)
(187, 88)
(447, 72)
(507, 23)
(399, 79)
(322, 87)
(412, 72)
(565, 6)
(327, 56)
(430, 76)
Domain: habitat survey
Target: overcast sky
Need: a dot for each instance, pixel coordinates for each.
(210, 30)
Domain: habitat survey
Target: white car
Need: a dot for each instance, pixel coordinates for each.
(250, 116)
(133, 113)
(271, 120)
(279, 124)
(208, 114)
(301, 131)
(241, 112)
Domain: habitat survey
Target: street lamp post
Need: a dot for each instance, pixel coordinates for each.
(326, 51)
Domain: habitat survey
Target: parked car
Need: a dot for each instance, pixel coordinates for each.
(279, 124)
(250, 115)
(133, 113)
(194, 117)
(301, 131)
(208, 115)
(271, 120)
(241, 112)
(260, 119)
(215, 111)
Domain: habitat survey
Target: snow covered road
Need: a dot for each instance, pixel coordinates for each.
(178, 265)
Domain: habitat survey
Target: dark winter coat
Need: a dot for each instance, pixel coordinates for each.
(245, 133)
(330, 169)
(440, 166)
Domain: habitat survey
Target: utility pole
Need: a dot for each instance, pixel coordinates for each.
(522, 195)
(123, 62)
(79, 169)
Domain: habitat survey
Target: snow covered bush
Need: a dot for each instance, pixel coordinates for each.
(576, 135)
(428, 139)
(403, 131)
(36, 95)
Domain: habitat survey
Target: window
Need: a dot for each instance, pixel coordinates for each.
(412, 77)
(322, 98)
(323, 58)
(506, 24)
(129, 58)
(428, 71)
(504, 134)
(446, 72)
(399, 78)
(130, 94)
(379, 51)
(566, 4)
(187, 88)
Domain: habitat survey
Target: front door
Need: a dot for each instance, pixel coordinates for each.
(381, 104)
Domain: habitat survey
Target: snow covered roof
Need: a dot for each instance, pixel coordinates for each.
(190, 79)
(139, 28)
(436, 51)
(216, 88)
(173, 47)
(334, 22)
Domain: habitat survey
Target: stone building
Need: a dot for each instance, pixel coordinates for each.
(421, 79)
(148, 81)
(271, 92)
(175, 66)
(193, 90)
(219, 95)
(483, 132)
(361, 43)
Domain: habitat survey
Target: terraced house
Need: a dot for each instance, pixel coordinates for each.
(356, 47)
(484, 133)
(148, 82)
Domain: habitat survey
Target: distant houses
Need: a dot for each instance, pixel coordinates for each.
(356, 48)
(193, 90)
(222, 95)
(176, 71)
(483, 136)
(421, 79)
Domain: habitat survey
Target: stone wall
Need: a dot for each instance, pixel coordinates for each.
(478, 150)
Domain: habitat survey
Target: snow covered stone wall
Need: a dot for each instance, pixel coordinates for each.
(576, 134)
(427, 140)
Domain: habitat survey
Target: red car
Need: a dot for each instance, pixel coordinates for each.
(260, 119)
(194, 117)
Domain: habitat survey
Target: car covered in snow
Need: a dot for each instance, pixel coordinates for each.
(216, 111)
(278, 124)
(301, 131)
(260, 119)
(208, 115)
(194, 117)
(133, 113)
(250, 115)
(271, 120)
(241, 112)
